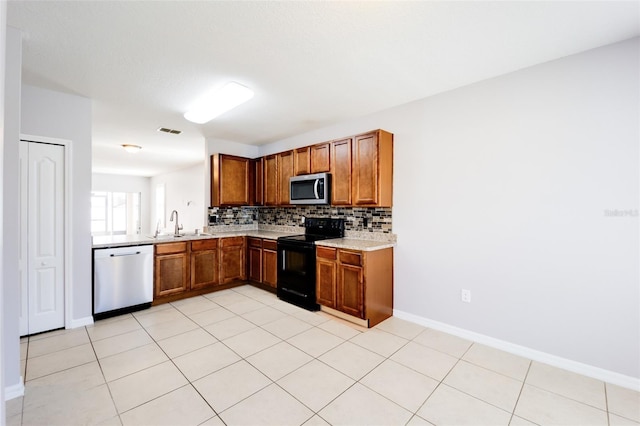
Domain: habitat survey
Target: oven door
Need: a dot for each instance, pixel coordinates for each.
(297, 274)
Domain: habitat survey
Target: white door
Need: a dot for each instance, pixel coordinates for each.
(42, 252)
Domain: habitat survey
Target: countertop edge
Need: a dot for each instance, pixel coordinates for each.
(355, 244)
(345, 243)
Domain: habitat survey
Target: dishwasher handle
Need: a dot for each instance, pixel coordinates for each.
(124, 254)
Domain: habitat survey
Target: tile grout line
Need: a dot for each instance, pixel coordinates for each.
(189, 382)
(103, 376)
(524, 380)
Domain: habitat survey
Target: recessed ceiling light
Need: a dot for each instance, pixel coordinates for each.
(218, 102)
(131, 148)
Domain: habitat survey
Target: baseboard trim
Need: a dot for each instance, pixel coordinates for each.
(523, 351)
(80, 322)
(14, 391)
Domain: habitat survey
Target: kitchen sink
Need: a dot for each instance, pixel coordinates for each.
(185, 234)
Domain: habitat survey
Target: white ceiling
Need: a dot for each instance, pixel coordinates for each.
(310, 64)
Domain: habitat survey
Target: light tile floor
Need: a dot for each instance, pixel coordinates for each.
(243, 357)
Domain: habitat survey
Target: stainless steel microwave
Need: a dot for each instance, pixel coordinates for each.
(310, 189)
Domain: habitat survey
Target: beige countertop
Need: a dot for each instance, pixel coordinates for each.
(136, 240)
(356, 244)
(133, 240)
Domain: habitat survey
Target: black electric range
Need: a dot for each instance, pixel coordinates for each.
(297, 261)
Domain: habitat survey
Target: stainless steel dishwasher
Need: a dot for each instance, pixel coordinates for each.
(122, 280)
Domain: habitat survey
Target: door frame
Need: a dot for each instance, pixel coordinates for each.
(68, 234)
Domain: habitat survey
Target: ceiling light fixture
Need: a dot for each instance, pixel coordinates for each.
(131, 148)
(218, 102)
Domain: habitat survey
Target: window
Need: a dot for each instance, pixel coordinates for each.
(115, 213)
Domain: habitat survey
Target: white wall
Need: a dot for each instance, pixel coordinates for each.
(501, 188)
(11, 215)
(122, 183)
(3, 49)
(58, 115)
(184, 192)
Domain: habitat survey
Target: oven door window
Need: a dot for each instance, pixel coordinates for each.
(294, 262)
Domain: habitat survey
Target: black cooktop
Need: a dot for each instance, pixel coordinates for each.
(317, 228)
(307, 238)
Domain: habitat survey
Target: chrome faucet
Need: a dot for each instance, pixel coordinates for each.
(176, 232)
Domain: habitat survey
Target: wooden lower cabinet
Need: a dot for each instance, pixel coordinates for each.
(171, 271)
(254, 259)
(270, 263)
(262, 261)
(204, 263)
(357, 283)
(350, 294)
(326, 277)
(232, 259)
(187, 268)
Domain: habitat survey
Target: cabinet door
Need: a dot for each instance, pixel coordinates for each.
(171, 274)
(204, 269)
(257, 184)
(270, 267)
(326, 282)
(365, 170)
(350, 294)
(232, 259)
(270, 181)
(372, 174)
(320, 158)
(301, 161)
(341, 172)
(285, 171)
(255, 264)
(230, 180)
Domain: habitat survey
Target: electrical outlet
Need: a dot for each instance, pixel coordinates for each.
(465, 295)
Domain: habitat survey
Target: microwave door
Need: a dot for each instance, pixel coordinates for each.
(303, 190)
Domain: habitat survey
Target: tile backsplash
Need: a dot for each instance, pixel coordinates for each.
(361, 219)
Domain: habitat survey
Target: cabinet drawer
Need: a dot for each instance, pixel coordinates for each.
(255, 242)
(326, 253)
(208, 244)
(231, 241)
(270, 245)
(169, 248)
(350, 258)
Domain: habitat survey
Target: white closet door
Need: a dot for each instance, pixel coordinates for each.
(44, 218)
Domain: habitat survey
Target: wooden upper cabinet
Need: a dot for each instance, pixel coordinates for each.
(341, 172)
(320, 158)
(302, 161)
(256, 182)
(372, 169)
(285, 171)
(229, 180)
(270, 180)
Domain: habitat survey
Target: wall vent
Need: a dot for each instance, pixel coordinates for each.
(167, 130)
